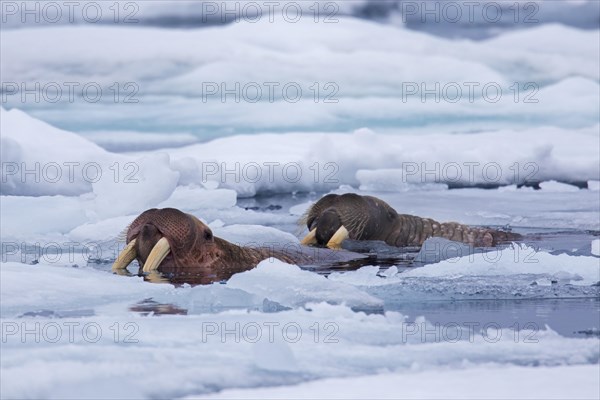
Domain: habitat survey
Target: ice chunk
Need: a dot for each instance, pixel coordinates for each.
(596, 247)
(39, 159)
(394, 180)
(150, 182)
(191, 197)
(289, 285)
(58, 287)
(364, 276)
(518, 259)
(116, 140)
(255, 236)
(24, 216)
(294, 162)
(106, 229)
(554, 186)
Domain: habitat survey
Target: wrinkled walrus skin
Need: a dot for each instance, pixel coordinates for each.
(176, 244)
(335, 218)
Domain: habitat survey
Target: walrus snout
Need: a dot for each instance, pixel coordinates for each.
(146, 241)
(326, 229)
(165, 240)
(326, 226)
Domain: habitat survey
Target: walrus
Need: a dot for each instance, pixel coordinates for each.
(335, 218)
(170, 243)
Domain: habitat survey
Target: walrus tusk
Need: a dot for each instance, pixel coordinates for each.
(160, 250)
(311, 238)
(338, 237)
(122, 272)
(125, 257)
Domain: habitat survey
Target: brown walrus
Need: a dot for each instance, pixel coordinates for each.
(170, 243)
(335, 218)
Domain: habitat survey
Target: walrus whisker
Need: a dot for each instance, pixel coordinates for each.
(125, 257)
(160, 250)
(338, 237)
(311, 238)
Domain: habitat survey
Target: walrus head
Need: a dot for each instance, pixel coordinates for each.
(335, 218)
(169, 241)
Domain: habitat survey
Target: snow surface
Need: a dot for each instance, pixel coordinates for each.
(453, 384)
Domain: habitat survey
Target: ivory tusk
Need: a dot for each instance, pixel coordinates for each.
(338, 237)
(160, 250)
(122, 272)
(125, 257)
(311, 238)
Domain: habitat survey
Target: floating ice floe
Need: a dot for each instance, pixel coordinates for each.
(286, 164)
(464, 262)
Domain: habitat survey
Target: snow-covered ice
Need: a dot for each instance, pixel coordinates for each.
(454, 384)
(294, 162)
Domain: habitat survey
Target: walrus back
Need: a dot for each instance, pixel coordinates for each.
(413, 231)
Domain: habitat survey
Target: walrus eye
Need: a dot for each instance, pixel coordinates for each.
(208, 235)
